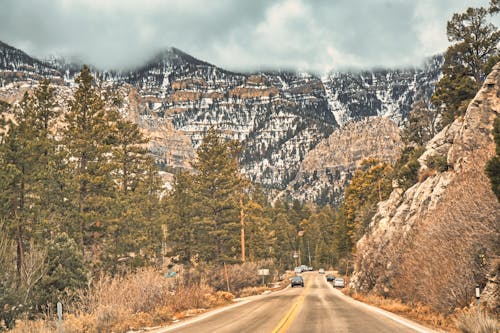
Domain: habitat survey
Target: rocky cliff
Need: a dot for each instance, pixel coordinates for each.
(278, 116)
(327, 169)
(439, 239)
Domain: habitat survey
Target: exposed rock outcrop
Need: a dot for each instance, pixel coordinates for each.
(436, 241)
(327, 169)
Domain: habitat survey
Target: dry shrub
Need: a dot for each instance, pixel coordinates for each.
(425, 173)
(134, 322)
(475, 321)
(81, 323)
(189, 297)
(131, 302)
(240, 276)
(249, 291)
(34, 326)
(138, 292)
(219, 298)
(138, 300)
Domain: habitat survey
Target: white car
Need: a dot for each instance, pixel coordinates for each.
(338, 282)
(321, 271)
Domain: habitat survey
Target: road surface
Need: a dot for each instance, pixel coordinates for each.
(317, 307)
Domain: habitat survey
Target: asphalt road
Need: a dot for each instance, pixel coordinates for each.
(316, 308)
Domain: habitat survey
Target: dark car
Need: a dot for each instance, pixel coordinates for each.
(330, 277)
(297, 281)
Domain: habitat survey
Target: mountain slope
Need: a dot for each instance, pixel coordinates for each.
(327, 169)
(16, 65)
(278, 116)
(439, 239)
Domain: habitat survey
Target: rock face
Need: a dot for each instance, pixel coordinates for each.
(435, 241)
(387, 93)
(327, 169)
(278, 116)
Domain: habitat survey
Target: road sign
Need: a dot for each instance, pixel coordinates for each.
(264, 271)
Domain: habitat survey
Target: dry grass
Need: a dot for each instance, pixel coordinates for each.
(146, 299)
(34, 326)
(416, 312)
(475, 321)
(426, 173)
(132, 302)
(250, 291)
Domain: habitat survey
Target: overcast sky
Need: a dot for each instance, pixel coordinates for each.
(242, 35)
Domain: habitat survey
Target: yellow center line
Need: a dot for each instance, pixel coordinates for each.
(287, 320)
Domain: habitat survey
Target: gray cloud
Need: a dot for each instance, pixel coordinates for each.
(315, 35)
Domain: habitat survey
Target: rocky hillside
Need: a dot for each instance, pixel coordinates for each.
(327, 169)
(387, 93)
(278, 116)
(439, 239)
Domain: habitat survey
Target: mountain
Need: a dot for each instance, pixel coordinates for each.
(438, 239)
(386, 93)
(280, 117)
(327, 169)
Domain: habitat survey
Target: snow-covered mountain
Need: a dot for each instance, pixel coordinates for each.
(280, 117)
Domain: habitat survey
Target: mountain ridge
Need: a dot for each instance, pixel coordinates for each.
(278, 116)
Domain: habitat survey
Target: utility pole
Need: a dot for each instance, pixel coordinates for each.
(309, 253)
(242, 222)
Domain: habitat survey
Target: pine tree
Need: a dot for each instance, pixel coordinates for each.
(467, 62)
(216, 200)
(370, 184)
(180, 219)
(88, 139)
(260, 238)
(65, 275)
(422, 124)
(134, 213)
(28, 152)
(285, 233)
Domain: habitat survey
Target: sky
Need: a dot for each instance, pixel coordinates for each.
(240, 35)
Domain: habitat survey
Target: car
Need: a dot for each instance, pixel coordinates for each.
(321, 271)
(330, 277)
(297, 270)
(297, 281)
(309, 268)
(303, 268)
(338, 282)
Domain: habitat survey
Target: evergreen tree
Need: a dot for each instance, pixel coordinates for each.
(370, 184)
(28, 153)
(180, 206)
(422, 124)
(467, 62)
(260, 238)
(407, 166)
(132, 227)
(216, 200)
(65, 273)
(342, 242)
(285, 233)
(88, 138)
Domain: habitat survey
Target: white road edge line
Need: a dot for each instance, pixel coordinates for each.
(200, 317)
(403, 321)
(210, 313)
